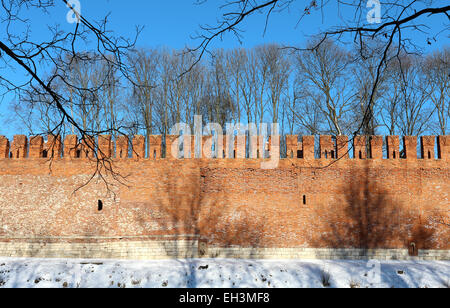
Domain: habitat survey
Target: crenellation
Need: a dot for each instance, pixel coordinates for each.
(36, 147)
(410, 143)
(138, 149)
(105, 149)
(122, 147)
(253, 147)
(360, 147)
(327, 147)
(19, 147)
(172, 148)
(342, 147)
(71, 147)
(376, 147)
(88, 147)
(308, 147)
(444, 147)
(207, 143)
(240, 146)
(292, 146)
(427, 147)
(155, 147)
(53, 147)
(4, 147)
(393, 147)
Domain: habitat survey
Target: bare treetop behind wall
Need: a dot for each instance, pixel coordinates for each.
(393, 24)
(70, 51)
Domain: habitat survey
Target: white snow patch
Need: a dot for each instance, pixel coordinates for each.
(221, 273)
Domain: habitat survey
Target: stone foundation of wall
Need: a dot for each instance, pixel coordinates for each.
(182, 249)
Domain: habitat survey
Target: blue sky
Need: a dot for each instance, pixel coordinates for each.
(172, 23)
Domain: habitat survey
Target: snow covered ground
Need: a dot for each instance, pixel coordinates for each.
(222, 273)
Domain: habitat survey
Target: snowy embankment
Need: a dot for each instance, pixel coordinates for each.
(222, 273)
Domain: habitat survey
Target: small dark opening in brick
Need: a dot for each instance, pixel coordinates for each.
(360, 155)
(300, 154)
(394, 155)
(78, 154)
(332, 155)
(45, 154)
(429, 154)
(304, 199)
(100, 205)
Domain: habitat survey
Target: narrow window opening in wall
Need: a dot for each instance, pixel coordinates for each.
(326, 154)
(332, 155)
(304, 199)
(44, 154)
(360, 154)
(394, 155)
(429, 154)
(100, 205)
(10, 155)
(234, 154)
(78, 154)
(223, 155)
(154, 154)
(299, 154)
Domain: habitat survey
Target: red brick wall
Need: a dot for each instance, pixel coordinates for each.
(349, 203)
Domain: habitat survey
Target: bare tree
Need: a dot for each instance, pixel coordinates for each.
(145, 76)
(391, 26)
(437, 85)
(325, 72)
(414, 112)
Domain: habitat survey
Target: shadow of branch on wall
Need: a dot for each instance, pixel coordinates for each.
(367, 215)
(192, 226)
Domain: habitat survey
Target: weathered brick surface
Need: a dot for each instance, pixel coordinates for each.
(138, 147)
(4, 147)
(53, 147)
(308, 147)
(342, 147)
(71, 147)
(427, 147)
(360, 147)
(393, 147)
(444, 147)
(327, 148)
(105, 146)
(376, 147)
(19, 146)
(229, 204)
(410, 143)
(36, 147)
(155, 147)
(122, 145)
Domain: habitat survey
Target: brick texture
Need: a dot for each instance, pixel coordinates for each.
(232, 205)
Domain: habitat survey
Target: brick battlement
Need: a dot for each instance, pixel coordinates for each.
(330, 148)
(308, 205)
